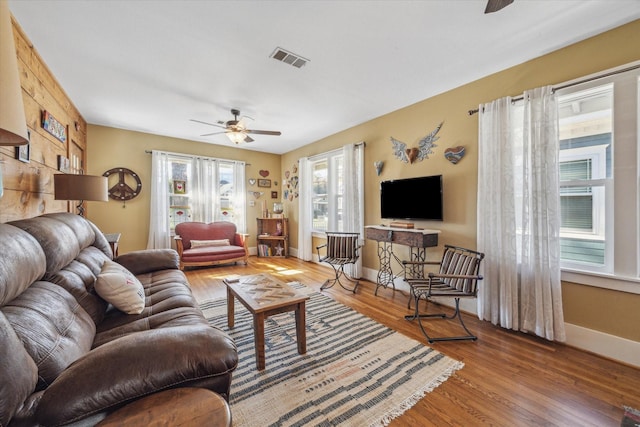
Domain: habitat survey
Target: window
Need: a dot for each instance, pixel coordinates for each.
(214, 193)
(327, 192)
(179, 196)
(599, 176)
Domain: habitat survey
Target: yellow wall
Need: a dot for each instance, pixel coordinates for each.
(110, 148)
(590, 307)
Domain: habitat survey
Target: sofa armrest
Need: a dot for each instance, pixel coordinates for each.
(179, 245)
(148, 260)
(241, 240)
(134, 366)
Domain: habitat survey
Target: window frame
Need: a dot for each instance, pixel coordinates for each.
(335, 191)
(623, 208)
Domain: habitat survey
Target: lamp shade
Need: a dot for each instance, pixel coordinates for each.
(81, 187)
(13, 124)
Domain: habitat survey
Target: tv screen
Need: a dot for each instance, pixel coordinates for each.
(412, 198)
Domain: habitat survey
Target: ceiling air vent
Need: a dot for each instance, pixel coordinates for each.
(289, 58)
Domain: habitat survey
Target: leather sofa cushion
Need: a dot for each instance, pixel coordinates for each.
(149, 260)
(52, 326)
(22, 262)
(18, 372)
(75, 251)
(134, 366)
(169, 302)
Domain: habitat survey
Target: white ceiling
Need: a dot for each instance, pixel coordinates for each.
(151, 66)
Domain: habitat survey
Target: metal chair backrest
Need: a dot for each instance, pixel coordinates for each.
(343, 245)
(461, 262)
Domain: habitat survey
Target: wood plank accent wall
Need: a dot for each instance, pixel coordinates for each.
(28, 187)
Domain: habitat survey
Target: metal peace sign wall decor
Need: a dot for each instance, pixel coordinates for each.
(124, 184)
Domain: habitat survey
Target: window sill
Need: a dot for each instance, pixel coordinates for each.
(600, 280)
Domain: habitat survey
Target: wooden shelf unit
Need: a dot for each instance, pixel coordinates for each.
(270, 243)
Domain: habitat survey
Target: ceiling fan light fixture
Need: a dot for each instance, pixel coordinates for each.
(236, 137)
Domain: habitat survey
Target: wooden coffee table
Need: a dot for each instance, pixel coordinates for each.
(264, 295)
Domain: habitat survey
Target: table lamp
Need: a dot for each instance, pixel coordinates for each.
(81, 188)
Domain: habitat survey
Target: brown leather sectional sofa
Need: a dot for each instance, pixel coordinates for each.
(67, 357)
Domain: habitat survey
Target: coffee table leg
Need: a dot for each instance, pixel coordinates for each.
(258, 332)
(301, 328)
(230, 309)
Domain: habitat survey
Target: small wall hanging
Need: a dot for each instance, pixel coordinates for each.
(378, 165)
(125, 184)
(23, 152)
(410, 155)
(64, 164)
(454, 154)
(54, 127)
(252, 181)
(256, 194)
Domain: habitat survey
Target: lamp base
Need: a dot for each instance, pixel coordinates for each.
(80, 208)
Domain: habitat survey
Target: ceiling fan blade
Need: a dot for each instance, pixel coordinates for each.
(206, 123)
(214, 133)
(496, 5)
(248, 139)
(263, 132)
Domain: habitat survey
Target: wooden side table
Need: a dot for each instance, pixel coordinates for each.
(178, 407)
(113, 239)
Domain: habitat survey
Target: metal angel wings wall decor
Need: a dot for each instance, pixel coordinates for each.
(410, 155)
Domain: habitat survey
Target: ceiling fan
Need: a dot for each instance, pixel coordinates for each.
(496, 5)
(236, 130)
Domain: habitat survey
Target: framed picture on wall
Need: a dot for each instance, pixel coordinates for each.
(23, 152)
(64, 165)
(264, 183)
(274, 194)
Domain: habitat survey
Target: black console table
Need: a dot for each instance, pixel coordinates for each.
(417, 239)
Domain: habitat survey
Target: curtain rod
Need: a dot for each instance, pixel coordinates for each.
(577, 82)
(193, 155)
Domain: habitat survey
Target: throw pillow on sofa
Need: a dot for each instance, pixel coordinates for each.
(119, 287)
(203, 243)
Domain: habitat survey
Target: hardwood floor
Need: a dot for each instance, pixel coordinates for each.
(509, 378)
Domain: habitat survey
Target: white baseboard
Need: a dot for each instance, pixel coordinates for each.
(603, 344)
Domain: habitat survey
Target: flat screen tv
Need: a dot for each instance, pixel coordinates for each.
(412, 198)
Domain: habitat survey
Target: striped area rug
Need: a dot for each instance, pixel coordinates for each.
(356, 372)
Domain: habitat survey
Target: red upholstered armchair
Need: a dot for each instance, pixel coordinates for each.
(200, 244)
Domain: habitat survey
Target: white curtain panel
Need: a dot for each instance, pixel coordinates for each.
(159, 234)
(519, 214)
(203, 189)
(240, 196)
(353, 208)
(305, 250)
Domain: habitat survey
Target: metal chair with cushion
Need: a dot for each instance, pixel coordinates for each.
(341, 249)
(457, 278)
